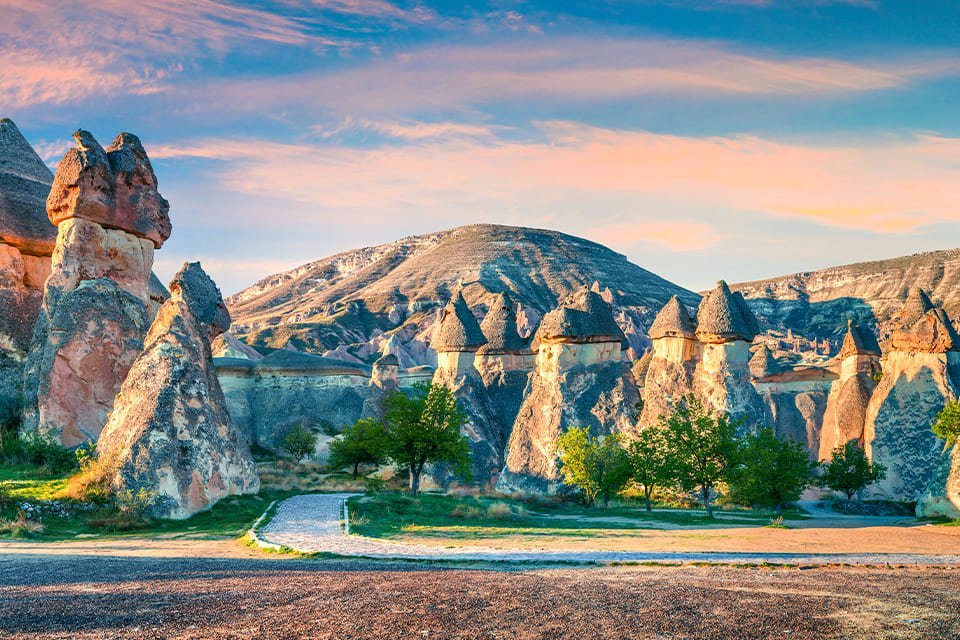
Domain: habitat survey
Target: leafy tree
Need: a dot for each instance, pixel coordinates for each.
(770, 472)
(849, 470)
(701, 447)
(651, 462)
(364, 442)
(599, 467)
(423, 427)
(946, 425)
(300, 442)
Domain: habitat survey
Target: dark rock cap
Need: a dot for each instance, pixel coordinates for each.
(858, 342)
(458, 330)
(724, 316)
(24, 183)
(581, 318)
(202, 297)
(924, 327)
(499, 328)
(672, 321)
(387, 360)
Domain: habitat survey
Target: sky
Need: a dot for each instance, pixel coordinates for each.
(735, 139)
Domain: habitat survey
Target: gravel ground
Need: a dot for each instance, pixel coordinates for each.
(60, 596)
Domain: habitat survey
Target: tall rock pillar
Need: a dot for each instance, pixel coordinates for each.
(110, 218)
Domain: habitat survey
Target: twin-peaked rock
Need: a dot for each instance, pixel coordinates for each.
(98, 298)
(579, 380)
(170, 432)
(920, 374)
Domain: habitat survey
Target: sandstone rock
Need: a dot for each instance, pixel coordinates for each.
(170, 431)
(942, 495)
(24, 184)
(763, 364)
(115, 188)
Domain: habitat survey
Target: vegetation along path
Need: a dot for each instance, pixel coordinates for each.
(315, 523)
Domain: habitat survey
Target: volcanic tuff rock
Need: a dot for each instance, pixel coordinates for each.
(817, 304)
(100, 293)
(170, 432)
(942, 496)
(357, 301)
(579, 380)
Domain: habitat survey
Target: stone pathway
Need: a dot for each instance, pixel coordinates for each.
(316, 523)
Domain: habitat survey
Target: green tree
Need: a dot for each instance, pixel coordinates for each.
(599, 467)
(423, 427)
(364, 442)
(946, 425)
(300, 442)
(849, 470)
(701, 447)
(651, 462)
(770, 472)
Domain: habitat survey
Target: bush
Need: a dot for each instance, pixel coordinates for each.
(946, 426)
(20, 527)
(38, 451)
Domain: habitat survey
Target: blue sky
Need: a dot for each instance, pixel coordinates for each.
(737, 139)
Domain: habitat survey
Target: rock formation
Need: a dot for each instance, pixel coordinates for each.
(725, 329)
(846, 412)
(456, 341)
(579, 380)
(26, 242)
(919, 376)
(97, 299)
(170, 432)
(668, 373)
(942, 495)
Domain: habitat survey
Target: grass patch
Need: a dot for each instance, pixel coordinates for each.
(389, 515)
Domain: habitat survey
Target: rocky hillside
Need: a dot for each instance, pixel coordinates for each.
(817, 304)
(353, 303)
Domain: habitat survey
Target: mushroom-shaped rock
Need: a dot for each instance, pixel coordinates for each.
(458, 329)
(724, 316)
(673, 321)
(763, 364)
(170, 432)
(499, 328)
(24, 184)
(858, 342)
(114, 187)
(583, 317)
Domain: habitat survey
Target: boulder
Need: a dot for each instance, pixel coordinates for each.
(170, 432)
(113, 187)
(24, 185)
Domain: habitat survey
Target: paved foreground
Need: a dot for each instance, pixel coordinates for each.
(47, 596)
(315, 523)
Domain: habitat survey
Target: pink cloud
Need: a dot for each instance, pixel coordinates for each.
(609, 183)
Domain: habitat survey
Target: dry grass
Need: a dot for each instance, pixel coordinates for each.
(20, 527)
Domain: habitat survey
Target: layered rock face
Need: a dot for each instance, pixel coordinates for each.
(918, 379)
(942, 495)
(579, 380)
(170, 431)
(26, 242)
(98, 297)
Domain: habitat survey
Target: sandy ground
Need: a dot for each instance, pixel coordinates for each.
(145, 589)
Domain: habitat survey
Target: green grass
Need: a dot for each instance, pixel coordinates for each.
(481, 517)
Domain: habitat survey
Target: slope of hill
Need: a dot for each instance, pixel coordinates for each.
(817, 304)
(353, 302)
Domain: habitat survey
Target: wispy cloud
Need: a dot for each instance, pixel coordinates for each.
(615, 182)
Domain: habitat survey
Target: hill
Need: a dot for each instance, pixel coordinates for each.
(350, 304)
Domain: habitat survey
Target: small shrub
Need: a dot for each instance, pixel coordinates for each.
(375, 485)
(38, 451)
(499, 510)
(467, 512)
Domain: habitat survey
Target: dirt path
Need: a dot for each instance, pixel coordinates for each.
(314, 523)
